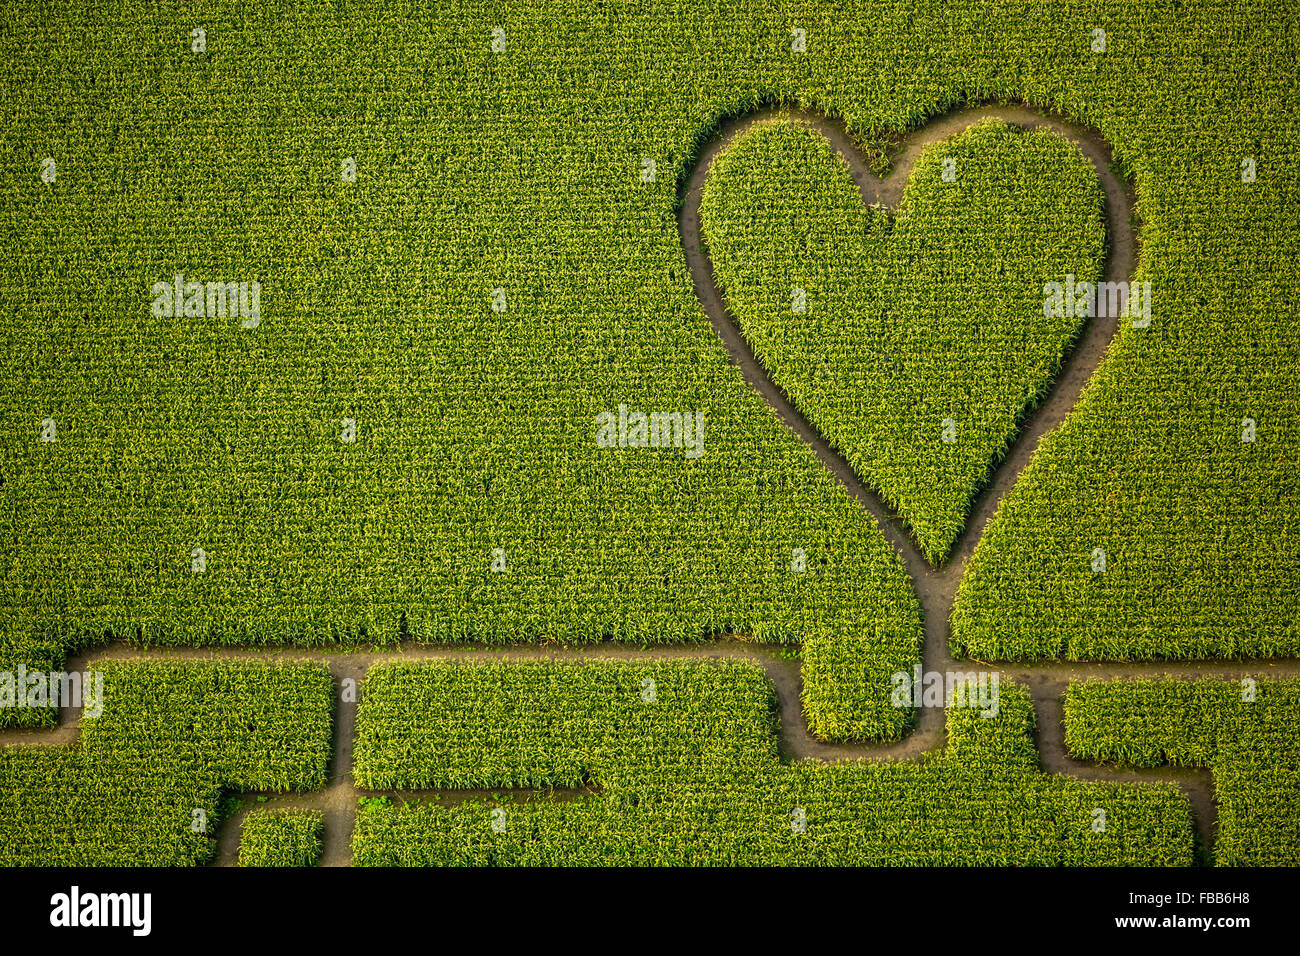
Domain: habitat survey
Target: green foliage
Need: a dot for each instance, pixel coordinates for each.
(1200, 527)
(171, 736)
(1250, 746)
(281, 838)
(43, 658)
(846, 682)
(694, 777)
(475, 428)
(912, 320)
(521, 170)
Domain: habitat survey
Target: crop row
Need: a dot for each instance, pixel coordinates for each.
(142, 786)
(281, 838)
(1244, 732)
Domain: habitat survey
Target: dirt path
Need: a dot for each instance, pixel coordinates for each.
(338, 800)
(935, 587)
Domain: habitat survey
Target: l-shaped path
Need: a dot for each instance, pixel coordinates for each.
(338, 800)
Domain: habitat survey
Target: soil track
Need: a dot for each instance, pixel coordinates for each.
(935, 586)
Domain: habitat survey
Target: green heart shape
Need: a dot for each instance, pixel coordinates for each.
(923, 340)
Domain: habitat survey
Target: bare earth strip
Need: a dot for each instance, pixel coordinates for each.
(935, 587)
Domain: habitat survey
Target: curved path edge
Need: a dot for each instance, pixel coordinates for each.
(936, 587)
